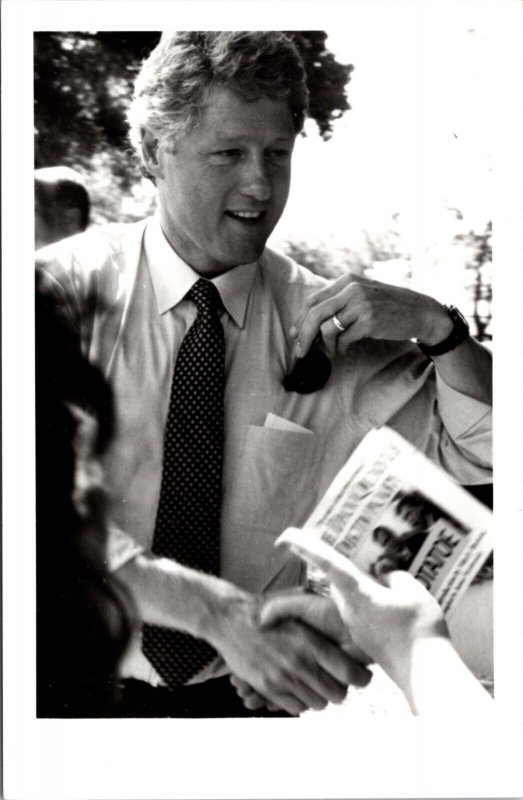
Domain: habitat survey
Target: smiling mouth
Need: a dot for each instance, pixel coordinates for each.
(247, 217)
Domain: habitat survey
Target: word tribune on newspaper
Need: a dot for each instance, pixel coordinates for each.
(389, 507)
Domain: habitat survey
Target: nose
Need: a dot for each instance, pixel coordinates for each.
(403, 552)
(256, 180)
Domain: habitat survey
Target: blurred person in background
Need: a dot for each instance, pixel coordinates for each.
(214, 121)
(62, 204)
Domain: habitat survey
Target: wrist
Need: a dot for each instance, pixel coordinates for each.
(437, 326)
(459, 333)
(173, 596)
(222, 605)
(436, 673)
(407, 658)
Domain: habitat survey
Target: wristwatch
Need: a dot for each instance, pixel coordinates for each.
(458, 334)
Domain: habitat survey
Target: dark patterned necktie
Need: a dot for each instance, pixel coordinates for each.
(188, 518)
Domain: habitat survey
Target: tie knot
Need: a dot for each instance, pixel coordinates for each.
(205, 296)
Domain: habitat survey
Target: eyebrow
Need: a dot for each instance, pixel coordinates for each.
(237, 139)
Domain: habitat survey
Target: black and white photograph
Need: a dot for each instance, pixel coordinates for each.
(247, 250)
(401, 530)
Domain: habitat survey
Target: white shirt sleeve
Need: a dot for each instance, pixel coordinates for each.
(468, 422)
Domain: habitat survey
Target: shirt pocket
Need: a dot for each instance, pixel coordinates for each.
(277, 478)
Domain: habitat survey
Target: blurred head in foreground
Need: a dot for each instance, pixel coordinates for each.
(62, 205)
(83, 614)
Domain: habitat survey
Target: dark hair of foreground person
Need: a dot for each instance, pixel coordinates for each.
(83, 613)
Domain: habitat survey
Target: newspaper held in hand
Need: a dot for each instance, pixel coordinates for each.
(390, 507)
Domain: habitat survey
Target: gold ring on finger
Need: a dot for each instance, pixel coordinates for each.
(338, 325)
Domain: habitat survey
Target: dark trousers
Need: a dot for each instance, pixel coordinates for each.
(214, 698)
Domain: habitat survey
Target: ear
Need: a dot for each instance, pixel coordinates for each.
(151, 154)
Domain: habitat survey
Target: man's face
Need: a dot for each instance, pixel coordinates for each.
(381, 552)
(387, 547)
(224, 185)
(403, 518)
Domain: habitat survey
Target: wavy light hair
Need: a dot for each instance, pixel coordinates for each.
(171, 88)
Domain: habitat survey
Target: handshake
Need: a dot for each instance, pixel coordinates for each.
(295, 651)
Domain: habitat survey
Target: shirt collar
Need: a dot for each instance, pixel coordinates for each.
(172, 277)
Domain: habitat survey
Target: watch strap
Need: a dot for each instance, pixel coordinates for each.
(459, 333)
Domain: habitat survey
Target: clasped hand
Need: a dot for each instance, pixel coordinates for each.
(288, 665)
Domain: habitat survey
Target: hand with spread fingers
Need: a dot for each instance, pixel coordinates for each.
(353, 307)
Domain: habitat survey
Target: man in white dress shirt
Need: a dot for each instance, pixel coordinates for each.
(214, 121)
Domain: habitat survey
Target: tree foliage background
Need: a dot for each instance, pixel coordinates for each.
(82, 86)
(83, 83)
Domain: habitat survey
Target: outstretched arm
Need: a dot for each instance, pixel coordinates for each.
(398, 625)
(292, 665)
